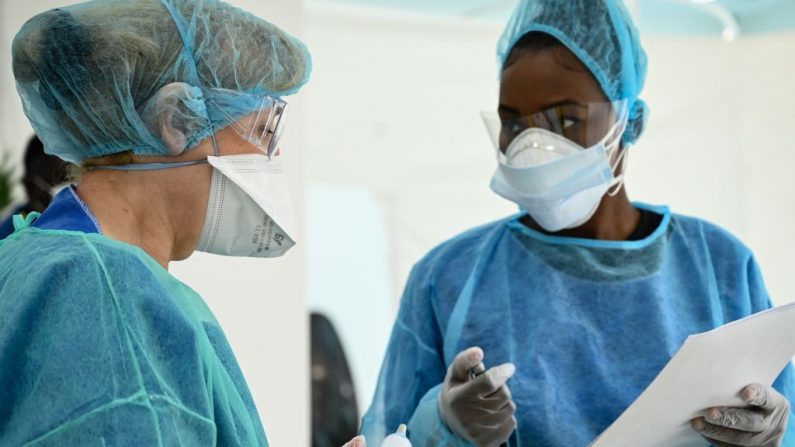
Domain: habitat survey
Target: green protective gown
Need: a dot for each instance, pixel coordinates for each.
(99, 345)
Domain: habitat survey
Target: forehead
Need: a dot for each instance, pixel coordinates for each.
(536, 80)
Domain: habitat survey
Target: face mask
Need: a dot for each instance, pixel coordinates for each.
(249, 212)
(558, 182)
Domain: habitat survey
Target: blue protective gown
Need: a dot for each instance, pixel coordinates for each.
(588, 323)
(99, 345)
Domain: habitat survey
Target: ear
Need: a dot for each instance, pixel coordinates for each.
(173, 138)
(170, 112)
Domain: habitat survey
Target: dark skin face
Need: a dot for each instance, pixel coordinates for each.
(538, 80)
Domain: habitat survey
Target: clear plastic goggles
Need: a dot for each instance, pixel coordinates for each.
(584, 124)
(264, 126)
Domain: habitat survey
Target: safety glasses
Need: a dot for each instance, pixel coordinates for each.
(262, 126)
(585, 124)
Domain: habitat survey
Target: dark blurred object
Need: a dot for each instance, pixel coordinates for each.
(43, 174)
(335, 414)
(5, 184)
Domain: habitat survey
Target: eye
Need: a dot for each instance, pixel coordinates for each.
(513, 128)
(263, 133)
(569, 122)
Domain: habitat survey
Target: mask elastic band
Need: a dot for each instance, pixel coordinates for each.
(164, 165)
(616, 132)
(618, 181)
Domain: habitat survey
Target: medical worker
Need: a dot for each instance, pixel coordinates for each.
(174, 109)
(577, 302)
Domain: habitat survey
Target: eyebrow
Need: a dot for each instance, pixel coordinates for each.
(565, 102)
(508, 110)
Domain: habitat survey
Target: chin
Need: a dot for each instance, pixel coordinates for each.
(182, 256)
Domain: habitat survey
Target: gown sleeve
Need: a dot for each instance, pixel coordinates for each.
(412, 372)
(91, 354)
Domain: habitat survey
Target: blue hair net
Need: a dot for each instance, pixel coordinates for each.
(154, 77)
(601, 34)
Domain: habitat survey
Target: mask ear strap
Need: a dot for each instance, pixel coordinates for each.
(159, 166)
(619, 171)
(616, 132)
(216, 152)
(620, 166)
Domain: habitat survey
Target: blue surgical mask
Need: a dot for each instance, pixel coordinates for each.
(558, 182)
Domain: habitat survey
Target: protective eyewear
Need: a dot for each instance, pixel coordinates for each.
(585, 124)
(264, 126)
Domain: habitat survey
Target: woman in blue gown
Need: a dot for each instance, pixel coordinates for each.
(582, 298)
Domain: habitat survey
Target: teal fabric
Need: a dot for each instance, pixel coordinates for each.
(99, 345)
(588, 324)
(7, 224)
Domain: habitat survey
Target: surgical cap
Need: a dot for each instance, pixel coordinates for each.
(601, 34)
(106, 76)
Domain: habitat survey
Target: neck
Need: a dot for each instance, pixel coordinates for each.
(615, 220)
(131, 208)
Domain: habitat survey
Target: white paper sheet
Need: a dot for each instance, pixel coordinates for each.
(709, 370)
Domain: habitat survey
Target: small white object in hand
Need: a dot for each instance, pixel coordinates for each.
(397, 439)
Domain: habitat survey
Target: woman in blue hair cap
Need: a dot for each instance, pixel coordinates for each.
(173, 108)
(583, 297)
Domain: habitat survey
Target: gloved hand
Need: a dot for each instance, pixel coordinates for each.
(358, 441)
(762, 424)
(478, 409)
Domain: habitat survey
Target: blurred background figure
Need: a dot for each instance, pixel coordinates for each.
(43, 175)
(335, 414)
(5, 187)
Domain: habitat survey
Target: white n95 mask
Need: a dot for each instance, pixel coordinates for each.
(249, 213)
(555, 180)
